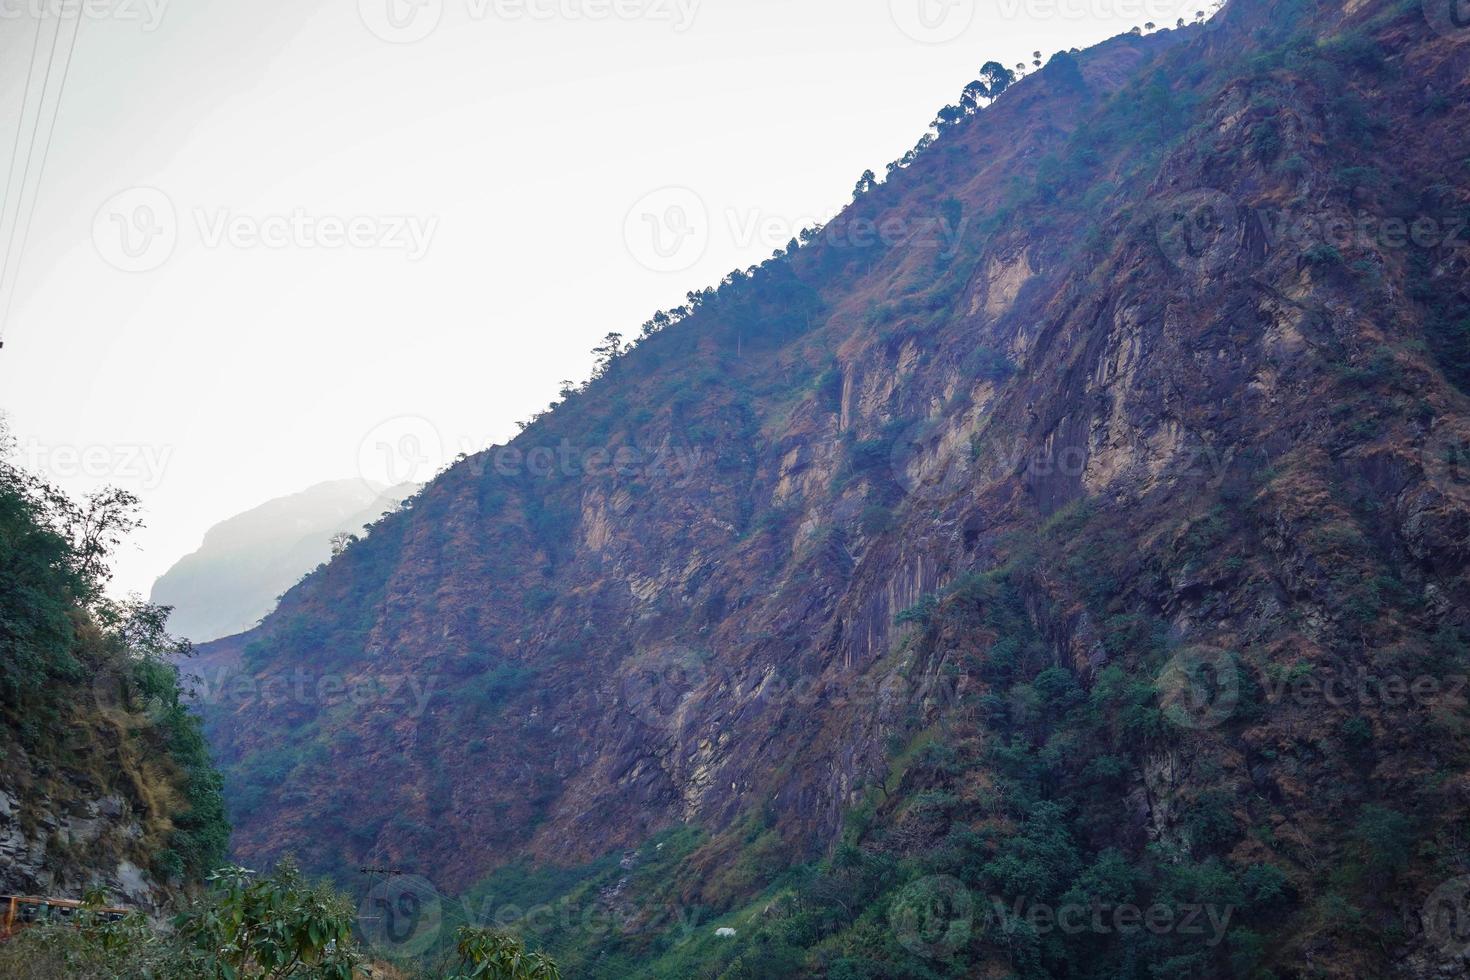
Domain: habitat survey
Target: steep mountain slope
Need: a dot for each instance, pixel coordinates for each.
(105, 780)
(1009, 532)
(246, 562)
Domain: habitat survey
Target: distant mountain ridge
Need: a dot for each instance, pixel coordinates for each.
(246, 562)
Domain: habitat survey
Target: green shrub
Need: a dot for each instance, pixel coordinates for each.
(1384, 839)
(876, 520)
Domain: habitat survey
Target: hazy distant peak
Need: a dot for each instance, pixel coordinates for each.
(245, 562)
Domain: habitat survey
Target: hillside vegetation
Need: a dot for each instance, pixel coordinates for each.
(105, 779)
(1053, 567)
(108, 796)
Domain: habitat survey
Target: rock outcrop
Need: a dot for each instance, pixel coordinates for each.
(1140, 411)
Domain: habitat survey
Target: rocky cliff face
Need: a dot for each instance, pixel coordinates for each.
(106, 784)
(1116, 427)
(105, 781)
(55, 850)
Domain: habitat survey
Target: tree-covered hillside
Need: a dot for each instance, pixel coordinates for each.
(105, 778)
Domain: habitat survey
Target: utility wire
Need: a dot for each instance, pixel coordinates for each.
(25, 101)
(20, 122)
(45, 157)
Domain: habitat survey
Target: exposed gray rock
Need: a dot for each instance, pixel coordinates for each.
(31, 863)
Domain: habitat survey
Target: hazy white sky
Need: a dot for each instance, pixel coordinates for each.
(275, 236)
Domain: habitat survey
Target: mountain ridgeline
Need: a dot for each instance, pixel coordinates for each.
(914, 597)
(247, 561)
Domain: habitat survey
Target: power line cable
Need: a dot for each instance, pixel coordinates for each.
(41, 170)
(25, 102)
